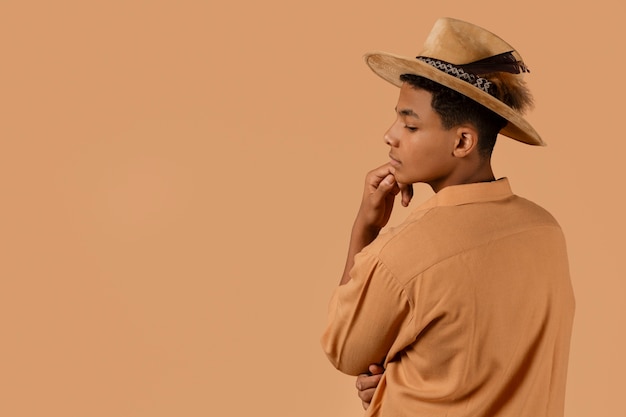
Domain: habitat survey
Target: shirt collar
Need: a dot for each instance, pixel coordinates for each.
(478, 192)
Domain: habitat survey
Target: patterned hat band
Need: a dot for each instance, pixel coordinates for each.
(505, 62)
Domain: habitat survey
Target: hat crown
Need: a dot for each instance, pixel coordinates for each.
(459, 42)
(460, 56)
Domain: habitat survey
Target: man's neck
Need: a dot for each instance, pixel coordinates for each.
(482, 173)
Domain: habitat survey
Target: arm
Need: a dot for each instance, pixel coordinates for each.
(376, 207)
(370, 307)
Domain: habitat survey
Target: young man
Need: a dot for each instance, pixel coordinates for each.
(466, 308)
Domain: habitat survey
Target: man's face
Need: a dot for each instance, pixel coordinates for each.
(421, 150)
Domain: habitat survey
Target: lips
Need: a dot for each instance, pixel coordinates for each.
(394, 161)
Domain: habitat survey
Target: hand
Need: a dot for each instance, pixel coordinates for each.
(379, 194)
(380, 191)
(366, 384)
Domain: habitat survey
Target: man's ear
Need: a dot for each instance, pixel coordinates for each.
(466, 141)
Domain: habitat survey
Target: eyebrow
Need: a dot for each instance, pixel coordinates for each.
(407, 112)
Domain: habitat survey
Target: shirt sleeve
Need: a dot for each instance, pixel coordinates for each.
(365, 317)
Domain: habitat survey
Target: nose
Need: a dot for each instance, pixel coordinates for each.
(390, 138)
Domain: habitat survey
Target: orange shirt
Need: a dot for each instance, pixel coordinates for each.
(468, 304)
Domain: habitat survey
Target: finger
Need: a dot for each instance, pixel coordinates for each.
(407, 193)
(376, 176)
(396, 188)
(359, 381)
(383, 197)
(365, 382)
(367, 395)
(365, 405)
(376, 369)
(386, 187)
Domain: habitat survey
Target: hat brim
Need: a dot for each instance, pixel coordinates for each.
(390, 67)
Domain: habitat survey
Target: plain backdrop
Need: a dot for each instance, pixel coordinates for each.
(178, 180)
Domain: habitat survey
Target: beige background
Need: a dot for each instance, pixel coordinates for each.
(179, 178)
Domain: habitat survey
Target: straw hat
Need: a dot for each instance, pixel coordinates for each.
(456, 54)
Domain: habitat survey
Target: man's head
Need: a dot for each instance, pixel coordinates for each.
(455, 109)
(474, 63)
(424, 148)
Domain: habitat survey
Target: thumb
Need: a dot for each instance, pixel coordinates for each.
(407, 193)
(376, 369)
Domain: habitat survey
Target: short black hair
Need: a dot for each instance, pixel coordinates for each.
(455, 108)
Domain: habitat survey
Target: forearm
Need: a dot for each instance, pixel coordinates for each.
(362, 235)
(376, 206)
(365, 316)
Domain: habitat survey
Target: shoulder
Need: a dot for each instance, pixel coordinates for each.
(430, 236)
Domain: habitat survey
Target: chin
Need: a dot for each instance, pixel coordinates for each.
(402, 179)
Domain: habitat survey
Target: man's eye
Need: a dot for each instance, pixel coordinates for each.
(411, 128)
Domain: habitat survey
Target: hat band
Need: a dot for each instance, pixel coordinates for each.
(458, 72)
(504, 62)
